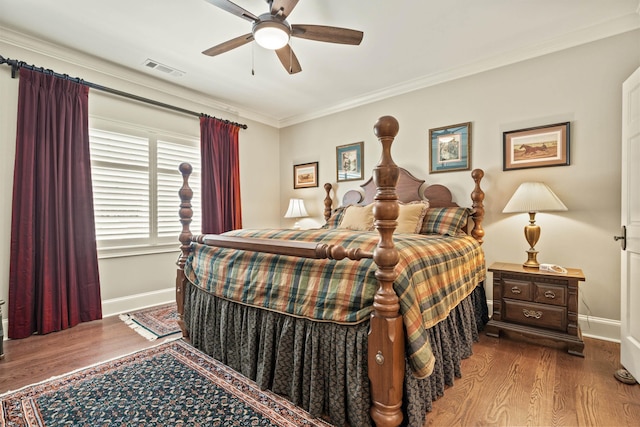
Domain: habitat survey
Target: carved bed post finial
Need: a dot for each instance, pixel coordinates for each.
(327, 201)
(386, 336)
(186, 213)
(477, 195)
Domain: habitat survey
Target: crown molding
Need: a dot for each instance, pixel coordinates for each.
(110, 69)
(604, 30)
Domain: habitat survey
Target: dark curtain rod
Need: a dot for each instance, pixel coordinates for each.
(16, 65)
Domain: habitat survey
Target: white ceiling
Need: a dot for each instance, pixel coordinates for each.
(407, 44)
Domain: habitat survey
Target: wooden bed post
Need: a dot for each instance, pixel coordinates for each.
(477, 196)
(327, 201)
(386, 353)
(186, 213)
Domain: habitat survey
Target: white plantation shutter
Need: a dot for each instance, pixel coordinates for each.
(120, 174)
(135, 189)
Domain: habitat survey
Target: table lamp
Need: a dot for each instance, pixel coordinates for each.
(296, 210)
(533, 197)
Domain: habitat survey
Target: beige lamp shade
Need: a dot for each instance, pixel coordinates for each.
(533, 197)
(296, 210)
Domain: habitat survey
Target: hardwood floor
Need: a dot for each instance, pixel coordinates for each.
(507, 382)
(40, 357)
(510, 382)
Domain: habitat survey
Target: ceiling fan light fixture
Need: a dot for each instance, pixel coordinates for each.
(271, 34)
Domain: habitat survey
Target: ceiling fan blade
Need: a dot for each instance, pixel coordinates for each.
(323, 33)
(234, 8)
(289, 60)
(228, 45)
(286, 6)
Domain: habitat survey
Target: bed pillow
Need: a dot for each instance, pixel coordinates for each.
(411, 217)
(335, 218)
(445, 221)
(359, 218)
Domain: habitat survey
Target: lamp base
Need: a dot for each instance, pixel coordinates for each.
(532, 259)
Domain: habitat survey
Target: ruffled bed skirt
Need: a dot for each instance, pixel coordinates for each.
(322, 367)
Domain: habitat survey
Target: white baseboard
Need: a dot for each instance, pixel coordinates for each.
(115, 306)
(599, 328)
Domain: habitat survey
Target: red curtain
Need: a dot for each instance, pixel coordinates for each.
(219, 154)
(53, 280)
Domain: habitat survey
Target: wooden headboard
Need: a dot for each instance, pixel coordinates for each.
(408, 190)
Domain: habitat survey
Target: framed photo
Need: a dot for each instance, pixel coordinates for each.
(450, 148)
(305, 175)
(536, 147)
(349, 160)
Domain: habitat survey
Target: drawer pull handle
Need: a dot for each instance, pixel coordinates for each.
(516, 290)
(531, 313)
(549, 295)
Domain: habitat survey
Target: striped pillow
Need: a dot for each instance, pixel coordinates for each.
(335, 218)
(445, 221)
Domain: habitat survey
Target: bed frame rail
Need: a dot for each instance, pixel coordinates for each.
(283, 247)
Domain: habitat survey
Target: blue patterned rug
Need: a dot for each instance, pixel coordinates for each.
(171, 384)
(154, 322)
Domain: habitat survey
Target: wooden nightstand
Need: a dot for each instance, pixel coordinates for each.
(538, 304)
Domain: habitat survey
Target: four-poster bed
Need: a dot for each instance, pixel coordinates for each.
(347, 324)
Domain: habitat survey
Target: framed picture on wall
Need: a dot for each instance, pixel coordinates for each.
(349, 159)
(536, 147)
(305, 175)
(450, 148)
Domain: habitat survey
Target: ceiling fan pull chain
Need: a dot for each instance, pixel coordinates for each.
(253, 49)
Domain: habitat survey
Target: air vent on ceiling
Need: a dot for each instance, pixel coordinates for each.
(155, 65)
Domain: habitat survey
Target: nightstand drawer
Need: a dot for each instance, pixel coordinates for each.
(539, 315)
(517, 289)
(551, 294)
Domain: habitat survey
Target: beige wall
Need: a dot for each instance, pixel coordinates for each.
(133, 281)
(581, 85)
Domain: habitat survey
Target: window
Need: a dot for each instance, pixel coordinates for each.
(135, 190)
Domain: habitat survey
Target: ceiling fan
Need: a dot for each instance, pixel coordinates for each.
(272, 31)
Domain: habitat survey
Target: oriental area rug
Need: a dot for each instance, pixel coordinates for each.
(171, 384)
(154, 322)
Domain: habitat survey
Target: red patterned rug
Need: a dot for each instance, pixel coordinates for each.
(154, 322)
(171, 384)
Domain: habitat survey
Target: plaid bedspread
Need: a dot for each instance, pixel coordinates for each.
(435, 274)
